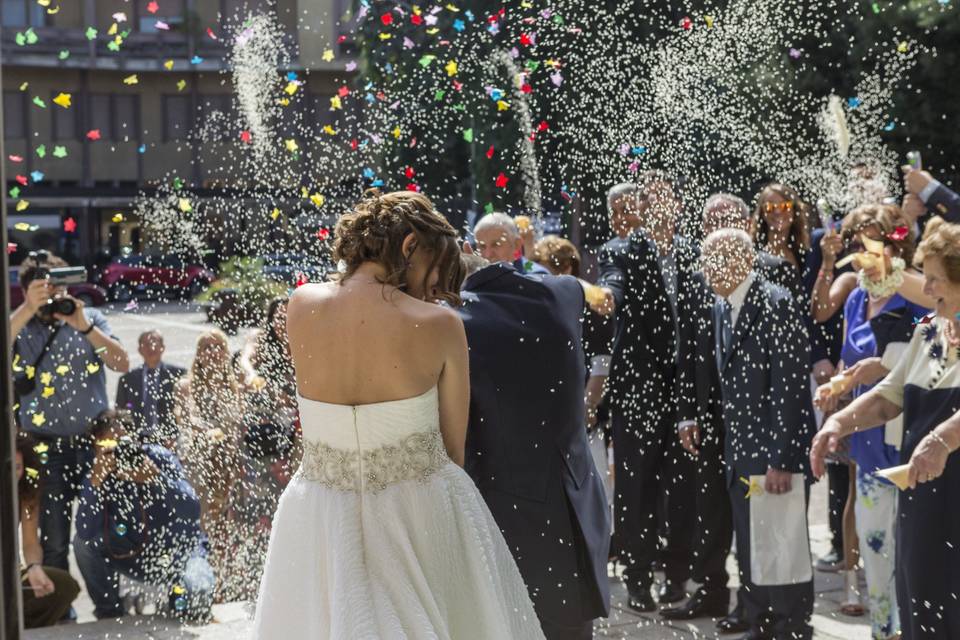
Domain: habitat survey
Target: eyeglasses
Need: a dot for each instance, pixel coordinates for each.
(39, 257)
(783, 207)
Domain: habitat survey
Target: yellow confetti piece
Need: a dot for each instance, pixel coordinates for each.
(709, 21)
(291, 145)
(54, 11)
(44, 3)
(385, 36)
(93, 367)
(304, 192)
(178, 590)
(46, 377)
(396, 132)
(329, 130)
(107, 443)
(32, 473)
(62, 369)
(47, 392)
(38, 419)
(181, 84)
(41, 448)
(275, 213)
(902, 47)
(131, 79)
(63, 100)
(117, 218)
(433, 31)
(31, 371)
(16, 363)
(22, 205)
(451, 68)
(453, 8)
(168, 65)
(335, 103)
(22, 226)
(317, 199)
(23, 87)
(112, 31)
(753, 487)
(502, 105)
(185, 205)
(284, 101)
(327, 55)
(291, 87)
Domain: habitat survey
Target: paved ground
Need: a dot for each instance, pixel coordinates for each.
(181, 324)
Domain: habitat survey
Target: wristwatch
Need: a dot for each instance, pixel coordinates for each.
(88, 329)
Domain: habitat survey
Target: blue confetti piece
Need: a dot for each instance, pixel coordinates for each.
(469, 15)
(142, 148)
(291, 76)
(376, 183)
(496, 94)
(459, 25)
(854, 102)
(368, 173)
(493, 28)
(36, 176)
(196, 60)
(889, 126)
(638, 150)
(369, 98)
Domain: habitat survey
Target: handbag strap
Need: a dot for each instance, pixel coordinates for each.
(46, 346)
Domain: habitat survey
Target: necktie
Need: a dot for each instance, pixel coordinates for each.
(724, 330)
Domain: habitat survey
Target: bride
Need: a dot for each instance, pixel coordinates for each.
(381, 534)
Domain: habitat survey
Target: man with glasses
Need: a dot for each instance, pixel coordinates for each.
(60, 349)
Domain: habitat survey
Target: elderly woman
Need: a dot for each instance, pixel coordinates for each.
(924, 385)
(877, 328)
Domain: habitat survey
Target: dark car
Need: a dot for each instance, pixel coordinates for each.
(288, 267)
(154, 274)
(89, 293)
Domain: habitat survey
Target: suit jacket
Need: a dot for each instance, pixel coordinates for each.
(765, 385)
(526, 442)
(946, 203)
(130, 397)
(643, 364)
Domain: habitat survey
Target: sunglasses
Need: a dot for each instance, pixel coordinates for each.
(39, 256)
(783, 207)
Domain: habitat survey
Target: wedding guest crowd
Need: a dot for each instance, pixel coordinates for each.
(705, 366)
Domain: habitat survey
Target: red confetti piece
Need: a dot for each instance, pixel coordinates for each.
(408, 172)
(301, 280)
(490, 152)
(416, 19)
(323, 233)
(354, 144)
(525, 40)
(343, 91)
(93, 134)
(898, 234)
(69, 225)
(153, 7)
(15, 158)
(22, 180)
(413, 187)
(211, 33)
(687, 24)
(526, 88)
(246, 136)
(386, 19)
(11, 247)
(502, 180)
(543, 126)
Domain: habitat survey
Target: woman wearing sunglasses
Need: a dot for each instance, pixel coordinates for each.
(781, 224)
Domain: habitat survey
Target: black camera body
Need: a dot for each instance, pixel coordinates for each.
(63, 306)
(129, 454)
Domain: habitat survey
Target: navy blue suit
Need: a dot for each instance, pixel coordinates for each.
(768, 422)
(945, 202)
(526, 442)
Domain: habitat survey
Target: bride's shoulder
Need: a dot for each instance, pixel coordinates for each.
(311, 292)
(442, 320)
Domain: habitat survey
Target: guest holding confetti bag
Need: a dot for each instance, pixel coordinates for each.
(925, 387)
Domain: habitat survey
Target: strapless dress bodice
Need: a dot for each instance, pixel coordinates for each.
(368, 447)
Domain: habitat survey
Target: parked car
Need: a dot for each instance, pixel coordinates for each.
(148, 274)
(89, 293)
(288, 267)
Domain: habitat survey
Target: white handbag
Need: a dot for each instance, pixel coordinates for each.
(779, 535)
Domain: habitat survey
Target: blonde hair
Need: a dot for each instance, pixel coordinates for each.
(887, 218)
(941, 240)
(211, 385)
(556, 254)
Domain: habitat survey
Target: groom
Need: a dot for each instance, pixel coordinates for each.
(527, 442)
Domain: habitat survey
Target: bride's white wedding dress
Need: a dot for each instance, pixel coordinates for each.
(381, 535)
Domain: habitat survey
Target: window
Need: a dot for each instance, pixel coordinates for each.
(64, 120)
(218, 117)
(14, 115)
(21, 13)
(177, 117)
(126, 117)
(171, 13)
(101, 114)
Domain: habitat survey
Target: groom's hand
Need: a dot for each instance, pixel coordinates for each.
(690, 438)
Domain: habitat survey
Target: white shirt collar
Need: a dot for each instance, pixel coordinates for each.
(739, 295)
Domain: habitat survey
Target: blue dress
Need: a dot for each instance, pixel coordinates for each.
(867, 447)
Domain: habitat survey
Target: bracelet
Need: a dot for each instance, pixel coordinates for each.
(826, 276)
(31, 566)
(87, 331)
(936, 436)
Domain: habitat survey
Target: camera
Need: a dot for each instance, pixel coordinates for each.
(129, 454)
(63, 306)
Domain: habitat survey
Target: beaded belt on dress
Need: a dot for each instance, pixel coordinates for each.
(416, 457)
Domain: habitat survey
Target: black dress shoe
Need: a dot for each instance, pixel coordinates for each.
(640, 599)
(733, 622)
(702, 604)
(754, 634)
(670, 592)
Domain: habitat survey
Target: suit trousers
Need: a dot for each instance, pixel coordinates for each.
(649, 462)
(713, 531)
(782, 612)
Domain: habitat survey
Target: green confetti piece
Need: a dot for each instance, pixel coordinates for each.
(468, 135)
(557, 19)
(42, 151)
(31, 36)
(91, 33)
(100, 350)
(439, 95)
(532, 65)
(39, 102)
(876, 7)
(427, 59)
(59, 151)
(64, 54)
(488, 208)
(113, 45)
(15, 192)
(459, 107)
(20, 39)
(177, 184)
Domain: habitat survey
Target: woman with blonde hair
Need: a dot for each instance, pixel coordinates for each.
(923, 386)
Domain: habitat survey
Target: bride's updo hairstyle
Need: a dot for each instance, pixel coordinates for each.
(374, 232)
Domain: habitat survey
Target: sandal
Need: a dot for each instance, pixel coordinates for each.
(852, 607)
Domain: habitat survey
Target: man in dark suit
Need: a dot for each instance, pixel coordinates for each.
(700, 423)
(526, 442)
(147, 391)
(939, 199)
(762, 357)
(645, 275)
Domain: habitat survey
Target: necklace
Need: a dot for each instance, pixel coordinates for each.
(886, 287)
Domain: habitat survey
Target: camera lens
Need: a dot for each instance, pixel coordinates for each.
(64, 306)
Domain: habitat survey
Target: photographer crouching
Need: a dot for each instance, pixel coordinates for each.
(60, 349)
(139, 517)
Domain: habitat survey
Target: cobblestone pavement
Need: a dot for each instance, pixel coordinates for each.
(181, 324)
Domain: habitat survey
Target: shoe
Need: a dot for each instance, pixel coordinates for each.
(733, 622)
(830, 563)
(755, 634)
(669, 592)
(702, 604)
(640, 599)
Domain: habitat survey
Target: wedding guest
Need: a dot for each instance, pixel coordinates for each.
(47, 591)
(644, 277)
(762, 355)
(208, 410)
(139, 517)
(938, 198)
(499, 240)
(924, 385)
(147, 391)
(60, 382)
